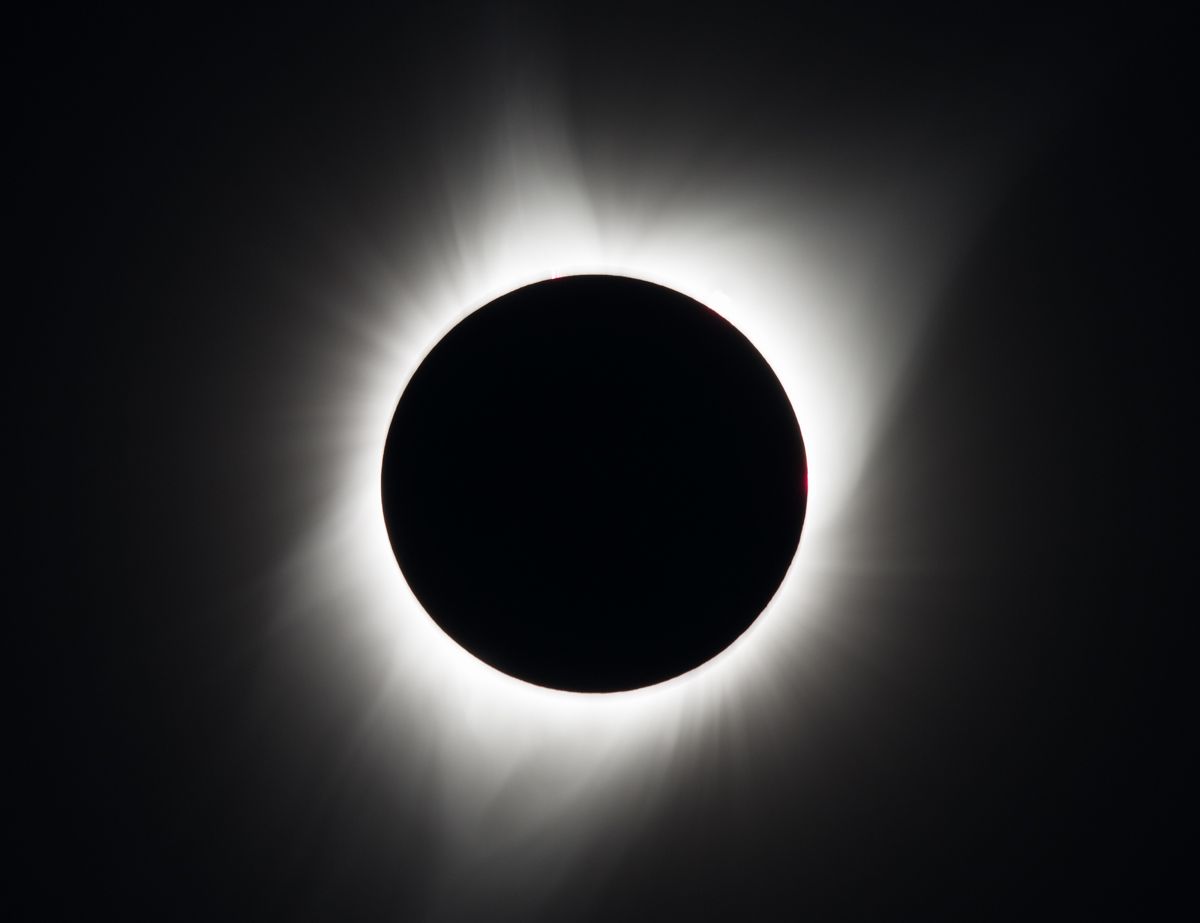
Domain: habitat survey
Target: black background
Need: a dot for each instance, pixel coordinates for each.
(998, 732)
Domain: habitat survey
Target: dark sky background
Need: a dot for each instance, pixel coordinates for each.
(994, 732)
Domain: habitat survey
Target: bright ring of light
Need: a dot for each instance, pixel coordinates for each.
(792, 286)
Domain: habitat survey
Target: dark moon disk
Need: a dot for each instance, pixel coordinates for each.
(594, 483)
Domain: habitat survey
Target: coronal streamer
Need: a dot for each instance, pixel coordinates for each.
(831, 288)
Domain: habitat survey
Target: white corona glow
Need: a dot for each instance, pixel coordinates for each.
(830, 290)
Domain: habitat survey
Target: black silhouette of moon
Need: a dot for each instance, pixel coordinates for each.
(594, 483)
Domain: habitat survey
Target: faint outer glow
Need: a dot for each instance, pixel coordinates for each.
(830, 291)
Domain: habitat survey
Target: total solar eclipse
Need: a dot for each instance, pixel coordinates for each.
(594, 483)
